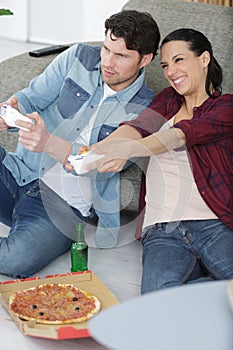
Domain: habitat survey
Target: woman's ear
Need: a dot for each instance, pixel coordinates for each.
(205, 58)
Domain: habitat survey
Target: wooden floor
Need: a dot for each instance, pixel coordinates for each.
(119, 268)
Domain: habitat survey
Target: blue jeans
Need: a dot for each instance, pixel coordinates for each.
(179, 252)
(42, 225)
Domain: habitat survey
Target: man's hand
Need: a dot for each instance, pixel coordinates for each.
(14, 103)
(3, 125)
(37, 136)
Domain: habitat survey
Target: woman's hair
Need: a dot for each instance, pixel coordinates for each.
(198, 43)
(138, 29)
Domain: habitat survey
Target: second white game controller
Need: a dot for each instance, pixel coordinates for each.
(80, 161)
(10, 115)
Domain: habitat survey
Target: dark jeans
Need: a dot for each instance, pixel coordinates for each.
(178, 252)
(42, 225)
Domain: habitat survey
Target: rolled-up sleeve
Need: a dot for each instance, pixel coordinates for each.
(209, 124)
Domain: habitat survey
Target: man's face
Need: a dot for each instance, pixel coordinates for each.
(119, 66)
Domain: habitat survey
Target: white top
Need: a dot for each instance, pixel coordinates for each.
(75, 190)
(172, 194)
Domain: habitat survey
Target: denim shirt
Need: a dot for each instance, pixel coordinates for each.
(65, 96)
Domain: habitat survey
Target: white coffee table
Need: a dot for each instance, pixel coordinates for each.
(193, 317)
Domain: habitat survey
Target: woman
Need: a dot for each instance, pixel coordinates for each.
(188, 224)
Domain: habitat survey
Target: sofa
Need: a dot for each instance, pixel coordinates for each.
(213, 20)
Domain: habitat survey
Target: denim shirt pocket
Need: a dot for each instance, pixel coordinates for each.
(72, 98)
(105, 131)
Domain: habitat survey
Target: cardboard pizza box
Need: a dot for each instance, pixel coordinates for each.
(84, 280)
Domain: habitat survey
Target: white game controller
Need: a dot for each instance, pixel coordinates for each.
(10, 115)
(80, 161)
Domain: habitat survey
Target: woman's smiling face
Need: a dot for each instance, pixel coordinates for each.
(185, 71)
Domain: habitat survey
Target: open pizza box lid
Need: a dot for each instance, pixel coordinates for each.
(83, 280)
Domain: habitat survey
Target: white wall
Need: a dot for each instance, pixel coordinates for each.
(57, 21)
(16, 26)
(95, 13)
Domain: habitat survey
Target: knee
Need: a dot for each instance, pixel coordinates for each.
(154, 283)
(17, 261)
(16, 268)
(21, 258)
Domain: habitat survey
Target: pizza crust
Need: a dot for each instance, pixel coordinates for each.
(54, 304)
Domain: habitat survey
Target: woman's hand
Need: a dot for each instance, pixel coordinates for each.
(117, 148)
(116, 153)
(114, 156)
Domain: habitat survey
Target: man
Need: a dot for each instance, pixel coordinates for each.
(79, 99)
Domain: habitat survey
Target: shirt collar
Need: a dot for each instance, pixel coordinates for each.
(128, 93)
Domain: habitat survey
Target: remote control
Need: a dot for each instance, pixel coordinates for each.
(48, 50)
(80, 161)
(10, 115)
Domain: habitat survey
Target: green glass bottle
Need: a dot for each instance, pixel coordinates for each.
(79, 251)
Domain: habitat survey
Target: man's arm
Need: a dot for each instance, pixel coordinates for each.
(38, 139)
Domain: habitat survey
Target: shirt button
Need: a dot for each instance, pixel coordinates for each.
(77, 129)
(107, 132)
(42, 169)
(203, 193)
(78, 94)
(24, 180)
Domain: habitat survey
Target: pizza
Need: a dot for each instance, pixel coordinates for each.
(54, 304)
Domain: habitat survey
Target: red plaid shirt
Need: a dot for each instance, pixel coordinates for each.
(209, 142)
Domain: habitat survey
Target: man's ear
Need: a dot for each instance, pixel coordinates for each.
(146, 59)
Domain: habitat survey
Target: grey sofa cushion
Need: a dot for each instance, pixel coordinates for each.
(15, 74)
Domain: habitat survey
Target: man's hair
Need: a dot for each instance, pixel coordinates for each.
(138, 29)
